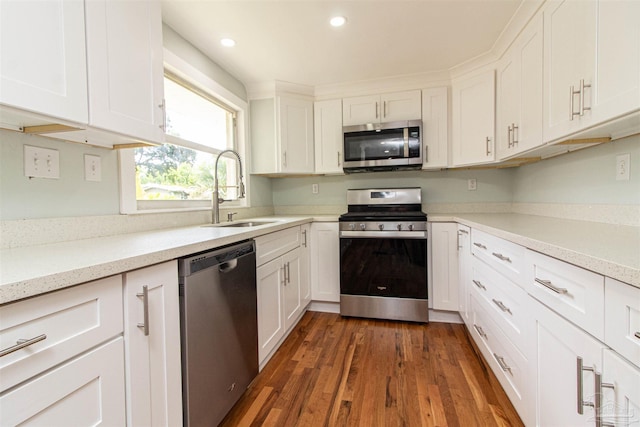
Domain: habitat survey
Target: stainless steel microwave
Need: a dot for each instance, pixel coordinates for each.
(383, 146)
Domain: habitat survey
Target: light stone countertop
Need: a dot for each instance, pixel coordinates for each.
(611, 250)
(33, 270)
(607, 249)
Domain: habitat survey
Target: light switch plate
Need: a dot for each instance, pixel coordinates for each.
(622, 167)
(41, 162)
(92, 168)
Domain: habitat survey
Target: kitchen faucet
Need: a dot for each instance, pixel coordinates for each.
(216, 193)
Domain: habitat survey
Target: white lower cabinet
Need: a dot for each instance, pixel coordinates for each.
(464, 271)
(88, 390)
(325, 262)
(620, 392)
(279, 278)
(567, 361)
(305, 265)
(152, 346)
(444, 266)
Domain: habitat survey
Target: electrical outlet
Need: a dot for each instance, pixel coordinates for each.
(622, 167)
(41, 162)
(472, 184)
(92, 168)
(315, 188)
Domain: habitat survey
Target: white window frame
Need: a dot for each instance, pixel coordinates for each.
(190, 75)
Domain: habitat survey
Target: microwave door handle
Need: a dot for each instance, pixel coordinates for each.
(406, 142)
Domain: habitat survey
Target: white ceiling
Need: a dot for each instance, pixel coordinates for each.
(292, 41)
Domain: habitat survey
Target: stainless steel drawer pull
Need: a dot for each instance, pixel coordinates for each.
(503, 364)
(501, 257)
(502, 307)
(547, 284)
(480, 331)
(145, 301)
(22, 343)
(480, 245)
(463, 231)
(598, 400)
(637, 335)
(579, 369)
(479, 284)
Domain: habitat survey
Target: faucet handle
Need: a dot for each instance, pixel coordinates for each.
(230, 216)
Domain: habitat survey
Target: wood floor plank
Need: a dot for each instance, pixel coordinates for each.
(335, 371)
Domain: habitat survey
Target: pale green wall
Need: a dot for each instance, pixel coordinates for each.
(493, 185)
(582, 177)
(71, 195)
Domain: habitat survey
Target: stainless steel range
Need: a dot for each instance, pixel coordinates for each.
(383, 255)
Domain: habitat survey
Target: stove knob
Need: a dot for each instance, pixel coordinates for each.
(352, 226)
(399, 227)
(410, 227)
(381, 227)
(363, 227)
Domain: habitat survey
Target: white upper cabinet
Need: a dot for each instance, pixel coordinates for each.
(592, 64)
(43, 67)
(473, 119)
(282, 129)
(327, 130)
(125, 66)
(435, 128)
(520, 88)
(388, 107)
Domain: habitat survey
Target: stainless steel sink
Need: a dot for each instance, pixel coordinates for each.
(241, 224)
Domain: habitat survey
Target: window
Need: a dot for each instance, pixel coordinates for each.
(180, 173)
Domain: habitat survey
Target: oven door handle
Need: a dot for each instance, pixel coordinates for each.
(385, 234)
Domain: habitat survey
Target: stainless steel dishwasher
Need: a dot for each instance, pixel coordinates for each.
(219, 331)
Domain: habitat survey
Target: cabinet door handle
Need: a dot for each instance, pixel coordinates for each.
(501, 306)
(598, 400)
(637, 335)
(515, 136)
(163, 107)
(304, 242)
(572, 93)
(501, 257)
(582, 107)
(580, 368)
(426, 153)
(22, 343)
(547, 284)
(338, 158)
(463, 231)
(284, 275)
(503, 365)
(377, 109)
(479, 284)
(480, 331)
(480, 245)
(145, 302)
(384, 108)
(289, 272)
(509, 136)
(284, 159)
(487, 143)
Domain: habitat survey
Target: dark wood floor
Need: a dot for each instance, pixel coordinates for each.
(334, 371)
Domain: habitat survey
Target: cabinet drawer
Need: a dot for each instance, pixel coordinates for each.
(503, 256)
(622, 319)
(507, 363)
(73, 320)
(273, 245)
(86, 391)
(504, 301)
(572, 292)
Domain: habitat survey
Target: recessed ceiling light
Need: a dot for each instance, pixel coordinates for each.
(338, 21)
(228, 42)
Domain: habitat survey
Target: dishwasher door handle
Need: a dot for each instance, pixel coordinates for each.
(228, 266)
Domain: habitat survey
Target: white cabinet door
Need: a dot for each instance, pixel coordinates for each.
(520, 89)
(564, 390)
(435, 128)
(401, 106)
(464, 271)
(473, 119)
(296, 135)
(292, 303)
(360, 110)
(620, 403)
(305, 265)
(325, 262)
(269, 278)
(154, 385)
(570, 40)
(327, 128)
(616, 88)
(622, 318)
(86, 391)
(125, 68)
(43, 67)
(444, 266)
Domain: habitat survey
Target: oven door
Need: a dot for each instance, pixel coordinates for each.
(383, 267)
